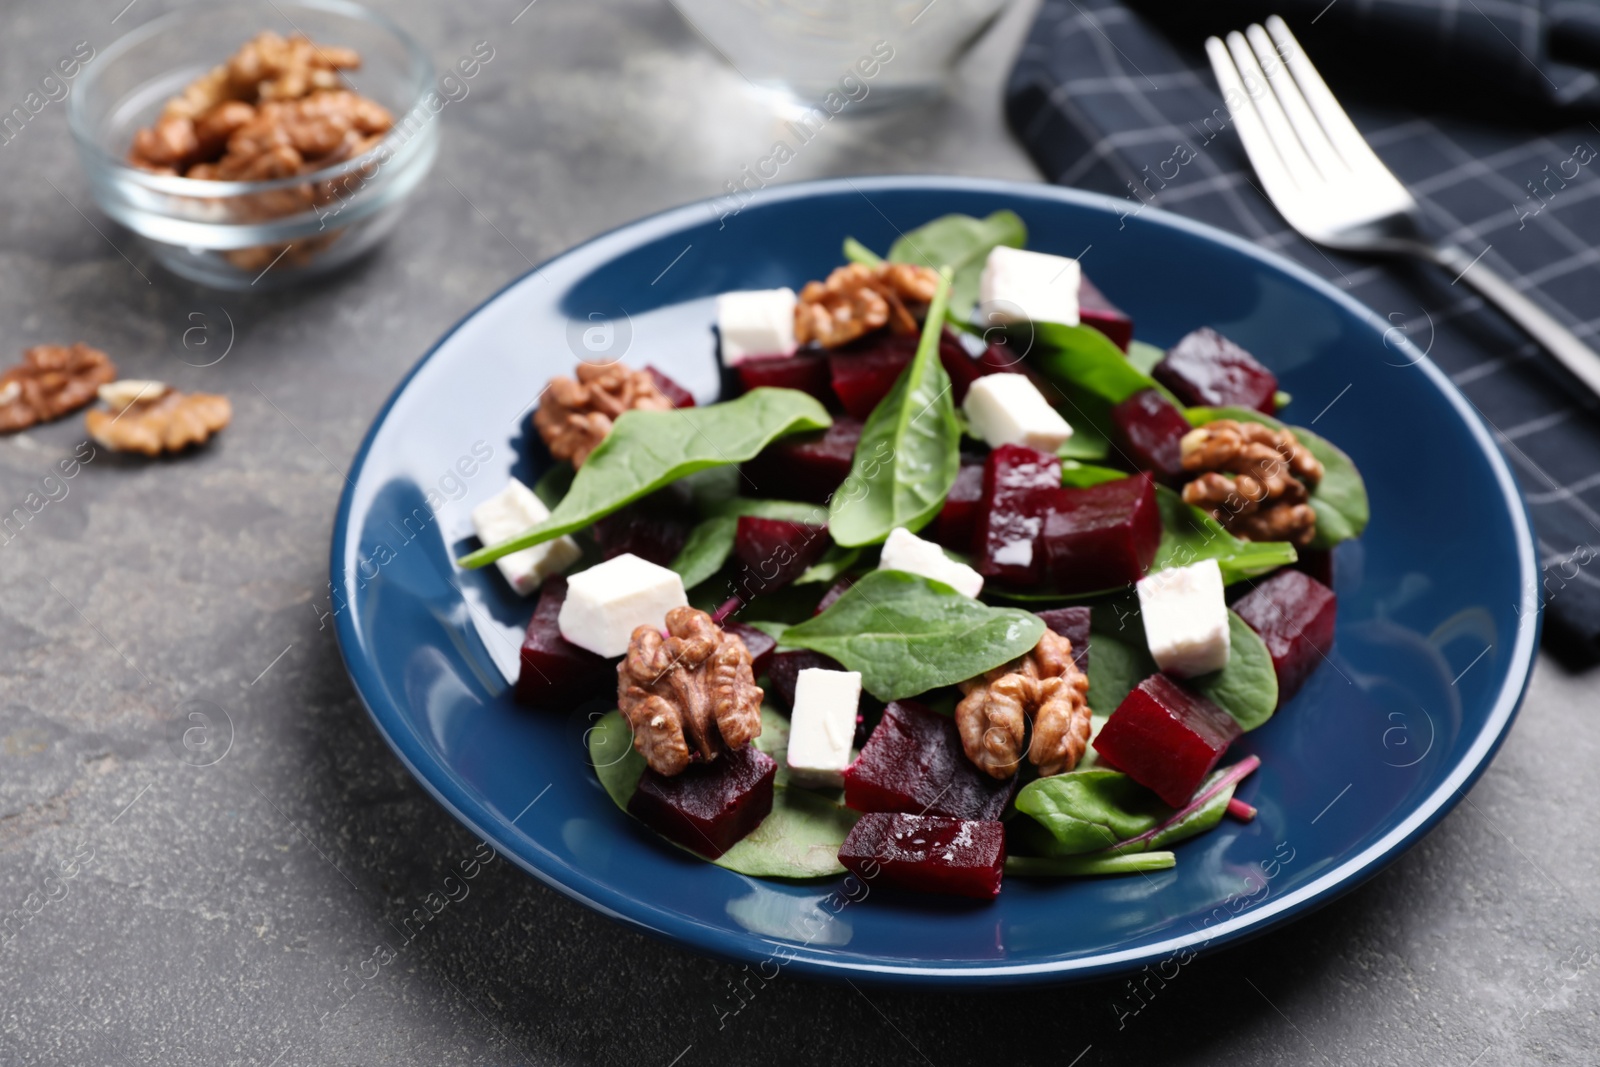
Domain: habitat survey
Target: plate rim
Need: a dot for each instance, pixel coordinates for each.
(629, 909)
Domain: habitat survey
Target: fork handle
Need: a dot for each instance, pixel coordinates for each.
(1573, 354)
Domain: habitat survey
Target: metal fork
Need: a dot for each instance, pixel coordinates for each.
(1328, 183)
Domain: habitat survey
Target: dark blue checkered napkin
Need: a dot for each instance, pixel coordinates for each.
(1103, 99)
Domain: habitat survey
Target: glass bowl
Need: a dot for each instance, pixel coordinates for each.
(239, 234)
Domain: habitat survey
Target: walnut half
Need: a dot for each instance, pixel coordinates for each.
(51, 381)
(152, 418)
(1253, 479)
(575, 416)
(1046, 686)
(857, 299)
(690, 691)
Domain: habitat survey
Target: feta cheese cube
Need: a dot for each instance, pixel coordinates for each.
(822, 725)
(504, 516)
(905, 551)
(606, 602)
(755, 322)
(1022, 286)
(1008, 409)
(1186, 618)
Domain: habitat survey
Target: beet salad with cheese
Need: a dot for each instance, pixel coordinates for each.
(956, 580)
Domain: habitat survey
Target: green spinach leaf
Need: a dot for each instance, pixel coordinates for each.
(834, 562)
(1082, 475)
(1340, 500)
(774, 630)
(554, 483)
(1086, 811)
(1189, 535)
(1204, 810)
(1118, 659)
(800, 839)
(963, 244)
(909, 451)
(1191, 822)
(1086, 866)
(1083, 356)
(856, 252)
(710, 542)
(1145, 356)
(1247, 688)
(1088, 441)
(907, 634)
(646, 450)
(1106, 813)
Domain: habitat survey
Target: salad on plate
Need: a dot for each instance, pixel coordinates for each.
(959, 580)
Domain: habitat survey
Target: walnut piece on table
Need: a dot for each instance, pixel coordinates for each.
(574, 416)
(688, 692)
(857, 299)
(1253, 479)
(51, 381)
(152, 418)
(1046, 686)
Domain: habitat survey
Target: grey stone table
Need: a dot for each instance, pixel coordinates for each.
(152, 911)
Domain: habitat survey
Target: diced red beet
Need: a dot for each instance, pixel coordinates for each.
(553, 668)
(1100, 537)
(1095, 310)
(1206, 368)
(710, 806)
(957, 519)
(864, 371)
(785, 668)
(680, 397)
(654, 528)
(1073, 624)
(774, 552)
(914, 762)
(760, 644)
(862, 375)
(1318, 563)
(961, 365)
(834, 592)
(805, 371)
(1010, 513)
(1294, 614)
(1166, 738)
(1148, 431)
(807, 466)
(927, 853)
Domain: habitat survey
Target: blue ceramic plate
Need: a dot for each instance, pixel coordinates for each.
(1438, 620)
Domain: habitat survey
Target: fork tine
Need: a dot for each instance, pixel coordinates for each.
(1272, 117)
(1270, 168)
(1305, 125)
(1347, 140)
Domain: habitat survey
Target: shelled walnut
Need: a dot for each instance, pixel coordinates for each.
(857, 299)
(1045, 686)
(1253, 479)
(690, 691)
(152, 418)
(51, 381)
(575, 416)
